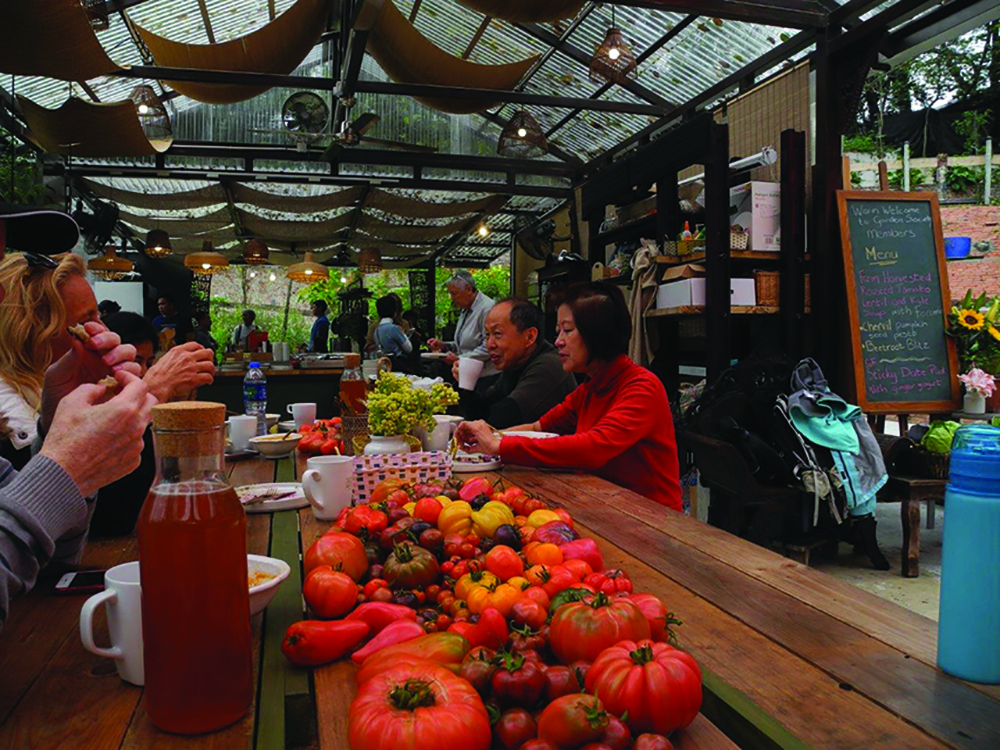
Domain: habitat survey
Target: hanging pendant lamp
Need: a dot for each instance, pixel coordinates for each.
(154, 119)
(157, 243)
(207, 261)
(522, 137)
(255, 253)
(308, 271)
(614, 61)
(109, 267)
(370, 260)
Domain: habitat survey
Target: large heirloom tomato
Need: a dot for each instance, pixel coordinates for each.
(572, 721)
(659, 686)
(582, 630)
(418, 707)
(410, 567)
(329, 592)
(340, 551)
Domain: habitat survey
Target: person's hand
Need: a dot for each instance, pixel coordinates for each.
(452, 359)
(478, 437)
(104, 354)
(435, 345)
(97, 443)
(180, 371)
(454, 369)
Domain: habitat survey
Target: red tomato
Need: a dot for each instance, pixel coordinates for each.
(611, 581)
(652, 742)
(572, 721)
(538, 745)
(560, 681)
(419, 706)
(340, 551)
(330, 593)
(582, 630)
(504, 563)
(596, 746)
(559, 579)
(382, 491)
(383, 595)
(659, 686)
(329, 447)
(580, 569)
(616, 736)
(518, 681)
(312, 642)
(528, 612)
(363, 517)
(514, 728)
(427, 509)
(537, 594)
(656, 615)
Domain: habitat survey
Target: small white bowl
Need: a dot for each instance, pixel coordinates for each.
(272, 420)
(275, 446)
(262, 594)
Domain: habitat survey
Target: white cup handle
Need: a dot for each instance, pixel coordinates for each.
(87, 624)
(289, 408)
(310, 486)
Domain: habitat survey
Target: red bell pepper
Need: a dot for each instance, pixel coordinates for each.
(379, 615)
(398, 632)
(586, 550)
(310, 643)
(490, 631)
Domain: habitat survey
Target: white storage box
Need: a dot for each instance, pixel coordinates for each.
(756, 207)
(691, 292)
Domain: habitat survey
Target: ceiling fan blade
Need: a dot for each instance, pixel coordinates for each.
(365, 122)
(332, 152)
(399, 146)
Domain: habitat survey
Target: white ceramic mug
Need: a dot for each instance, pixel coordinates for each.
(123, 598)
(438, 438)
(302, 414)
(241, 429)
(327, 483)
(469, 370)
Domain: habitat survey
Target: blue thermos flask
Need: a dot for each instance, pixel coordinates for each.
(969, 620)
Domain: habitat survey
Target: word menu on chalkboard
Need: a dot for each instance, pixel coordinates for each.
(898, 299)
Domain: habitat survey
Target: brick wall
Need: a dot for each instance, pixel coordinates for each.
(981, 223)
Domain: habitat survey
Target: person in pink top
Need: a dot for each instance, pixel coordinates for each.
(616, 425)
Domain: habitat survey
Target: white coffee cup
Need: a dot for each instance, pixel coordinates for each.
(438, 438)
(241, 429)
(302, 413)
(328, 483)
(469, 370)
(123, 598)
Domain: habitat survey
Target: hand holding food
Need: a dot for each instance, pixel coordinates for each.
(435, 345)
(478, 437)
(97, 443)
(180, 371)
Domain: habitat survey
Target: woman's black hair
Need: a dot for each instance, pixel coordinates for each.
(387, 306)
(133, 329)
(602, 317)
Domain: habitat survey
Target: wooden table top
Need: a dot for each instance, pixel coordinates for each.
(220, 373)
(792, 657)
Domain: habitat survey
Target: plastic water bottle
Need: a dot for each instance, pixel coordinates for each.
(255, 396)
(968, 646)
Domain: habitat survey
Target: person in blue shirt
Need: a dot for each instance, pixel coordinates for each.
(389, 337)
(320, 335)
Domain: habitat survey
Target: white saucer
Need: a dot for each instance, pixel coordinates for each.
(296, 501)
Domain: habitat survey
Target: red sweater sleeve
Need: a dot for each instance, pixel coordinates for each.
(628, 420)
(562, 419)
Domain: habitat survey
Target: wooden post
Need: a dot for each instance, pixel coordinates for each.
(906, 166)
(793, 239)
(717, 283)
(288, 301)
(845, 168)
(883, 176)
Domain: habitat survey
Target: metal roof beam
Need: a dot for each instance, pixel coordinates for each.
(794, 14)
(206, 21)
(937, 27)
(896, 13)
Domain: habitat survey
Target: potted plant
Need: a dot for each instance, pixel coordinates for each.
(973, 325)
(395, 407)
(979, 386)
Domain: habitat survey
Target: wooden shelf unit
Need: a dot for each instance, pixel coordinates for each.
(700, 310)
(676, 260)
(644, 227)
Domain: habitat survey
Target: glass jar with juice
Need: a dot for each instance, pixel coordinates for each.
(193, 568)
(353, 389)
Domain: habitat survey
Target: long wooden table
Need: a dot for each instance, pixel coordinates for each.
(792, 658)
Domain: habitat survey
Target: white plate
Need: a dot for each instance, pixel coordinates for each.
(530, 434)
(296, 501)
(470, 463)
(433, 355)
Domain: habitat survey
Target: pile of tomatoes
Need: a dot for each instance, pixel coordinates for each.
(480, 620)
(322, 437)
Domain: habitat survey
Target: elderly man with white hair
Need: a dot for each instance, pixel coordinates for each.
(470, 331)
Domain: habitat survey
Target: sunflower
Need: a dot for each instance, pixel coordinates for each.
(971, 319)
(994, 333)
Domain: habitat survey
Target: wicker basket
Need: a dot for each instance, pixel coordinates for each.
(921, 462)
(738, 238)
(412, 468)
(767, 285)
(683, 247)
(355, 432)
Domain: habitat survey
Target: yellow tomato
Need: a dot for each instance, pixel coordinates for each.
(444, 500)
(470, 581)
(456, 519)
(519, 582)
(542, 517)
(409, 508)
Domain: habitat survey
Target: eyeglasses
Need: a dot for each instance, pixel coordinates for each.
(36, 260)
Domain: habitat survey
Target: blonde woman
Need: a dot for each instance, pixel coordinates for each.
(44, 296)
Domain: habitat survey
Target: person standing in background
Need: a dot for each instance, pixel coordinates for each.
(470, 331)
(242, 332)
(319, 336)
(203, 334)
(170, 320)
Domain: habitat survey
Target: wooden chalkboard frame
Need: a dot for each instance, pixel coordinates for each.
(895, 407)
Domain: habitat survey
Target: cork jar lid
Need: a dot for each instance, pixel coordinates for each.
(352, 359)
(189, 415)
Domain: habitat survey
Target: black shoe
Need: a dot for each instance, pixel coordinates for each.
(867, 542)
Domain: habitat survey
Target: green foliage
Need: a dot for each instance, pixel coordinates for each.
(860, 144)
(855, 179)
(395, 407)
(917, 179)
(961, 179)
(974, 126)
(20, 174)
(226, 315)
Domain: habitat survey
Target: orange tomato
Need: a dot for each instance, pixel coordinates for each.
(519, 582)
(427, 509)
(470, 581)
(544, 554)
(501, 598)
(537, 574)
(503, 562)
(579, 568)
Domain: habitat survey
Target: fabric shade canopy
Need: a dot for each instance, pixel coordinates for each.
(180, 227)
(296, 204)
(206, 196)
(80, 128)
(276, 48)
(360, 240)
(418, 209)
(526, 11)
(300, 232)
(407, 56)
(407, 232)
(56, 41)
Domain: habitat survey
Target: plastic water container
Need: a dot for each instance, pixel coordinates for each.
(969, 621)
(255, 396)
(957, 247)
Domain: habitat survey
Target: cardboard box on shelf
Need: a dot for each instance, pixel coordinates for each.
(690, 292)
(756, 207)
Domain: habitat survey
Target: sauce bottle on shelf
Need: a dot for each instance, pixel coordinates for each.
(353, 390)
(197, 645)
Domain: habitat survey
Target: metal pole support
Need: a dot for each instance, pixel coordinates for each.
(906, 166)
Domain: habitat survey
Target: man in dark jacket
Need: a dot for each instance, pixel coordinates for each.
(532, 378)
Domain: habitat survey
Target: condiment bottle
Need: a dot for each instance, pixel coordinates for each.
(353, 390)
(193, 568)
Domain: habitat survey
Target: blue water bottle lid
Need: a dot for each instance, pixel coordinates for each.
(254, 364)
(975, 457)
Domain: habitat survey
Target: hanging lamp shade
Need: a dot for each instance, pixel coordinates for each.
(522, 137)
(255, 253)
(614, 60)
(308, 271)
(370, 260)
(154, 119)
(157, 243)
(207, 261)
(97, 14)
(109, 267)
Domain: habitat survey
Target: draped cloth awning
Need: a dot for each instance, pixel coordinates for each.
(413, 208)
(408, 232)
(299, 232)
(277, 48)
(296, 204)
(526, 11)
(80, 128)
(407, 56)
(53, 38)
(181, 226)
(361, 240)
(206, 196)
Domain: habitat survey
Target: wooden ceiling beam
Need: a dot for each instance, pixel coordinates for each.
(206, 21)
(793, 14)
(477, 36)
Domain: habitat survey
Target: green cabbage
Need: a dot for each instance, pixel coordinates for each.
(939, 437)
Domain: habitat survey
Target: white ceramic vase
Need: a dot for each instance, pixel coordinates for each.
(974, 403)
(387, 444)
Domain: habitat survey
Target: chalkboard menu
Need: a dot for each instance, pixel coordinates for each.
(898, 299)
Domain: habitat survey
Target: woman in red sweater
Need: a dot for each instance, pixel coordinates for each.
(617, 424)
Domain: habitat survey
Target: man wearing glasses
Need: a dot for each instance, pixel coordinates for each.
(90, 439)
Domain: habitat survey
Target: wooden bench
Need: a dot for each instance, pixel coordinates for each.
(909, 492)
